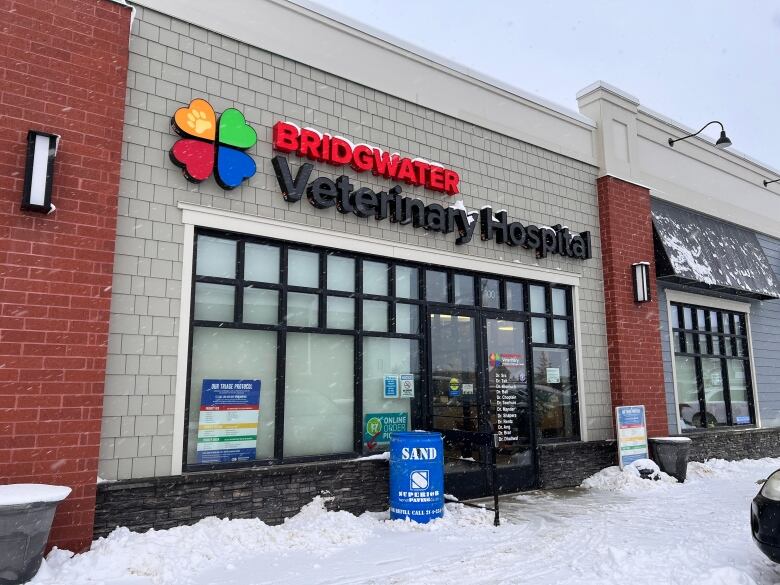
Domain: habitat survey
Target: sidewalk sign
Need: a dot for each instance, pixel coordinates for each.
(631, 434)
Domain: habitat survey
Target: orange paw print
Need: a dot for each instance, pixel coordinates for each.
(198, 121)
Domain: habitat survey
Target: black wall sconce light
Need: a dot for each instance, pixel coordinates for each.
(722, 142)
(770, 182)
(641, 277)
(41, 150)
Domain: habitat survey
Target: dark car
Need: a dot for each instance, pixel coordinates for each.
(765, 517)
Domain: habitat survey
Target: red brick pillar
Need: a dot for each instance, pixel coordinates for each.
(63, 66)
(633, 329)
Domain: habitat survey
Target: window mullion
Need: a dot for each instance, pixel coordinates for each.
(724, 372)
(700, 389)
(358, 359)
(281, 354)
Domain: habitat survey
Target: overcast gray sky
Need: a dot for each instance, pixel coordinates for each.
(693, 61)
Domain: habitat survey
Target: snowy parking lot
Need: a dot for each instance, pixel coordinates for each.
(616, 529)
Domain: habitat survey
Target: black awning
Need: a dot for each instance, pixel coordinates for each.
(704, 252)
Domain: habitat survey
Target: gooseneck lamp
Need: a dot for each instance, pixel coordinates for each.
(722, 142)
(770, 182)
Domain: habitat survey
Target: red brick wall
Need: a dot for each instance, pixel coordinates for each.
(63, 69)
(633, 329)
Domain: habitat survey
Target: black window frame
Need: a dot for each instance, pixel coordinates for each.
(419, 413)
(732, 345)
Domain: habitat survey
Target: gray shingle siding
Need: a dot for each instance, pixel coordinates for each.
(765, 331)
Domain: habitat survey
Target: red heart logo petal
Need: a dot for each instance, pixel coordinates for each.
(196, 157)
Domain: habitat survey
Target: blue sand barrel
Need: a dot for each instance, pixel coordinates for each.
(416, 476)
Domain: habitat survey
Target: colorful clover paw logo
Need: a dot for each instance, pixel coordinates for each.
(209, 146)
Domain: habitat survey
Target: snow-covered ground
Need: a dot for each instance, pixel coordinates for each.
(618, 529)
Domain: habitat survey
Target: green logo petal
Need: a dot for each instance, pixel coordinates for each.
(234, 131)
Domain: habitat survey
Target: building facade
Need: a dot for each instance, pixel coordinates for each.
(339, 299)
(310, 252)
(711, 226)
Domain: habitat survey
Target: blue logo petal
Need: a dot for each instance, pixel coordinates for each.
(233, 167)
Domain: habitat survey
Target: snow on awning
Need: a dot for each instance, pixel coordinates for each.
(704, 252)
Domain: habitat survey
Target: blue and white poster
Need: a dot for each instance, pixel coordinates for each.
(227, 427)
(391, 387)
(631, 434)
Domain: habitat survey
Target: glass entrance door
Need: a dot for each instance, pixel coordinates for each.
(478, 388)
(509, 402)
(457, 401)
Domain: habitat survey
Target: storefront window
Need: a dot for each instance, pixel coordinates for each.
(261, 305)
(491, 296)
(302, 309)
(375, 315)
(387, 358)
(558, 301)
(214, 302)
(341, 273)
(687, 390)
(261, 263)
(711, 367)
(560, 332)
(406, 282)
(241, 287)
(539, 330)
(407, 318)
(303, 268)
(243, 434)
(436, 286)
(464, 289)
(553, 395)
(538, 304)
(375, 278)
(337, 340)
(217, 257)
(514, 296)
(318, 394)
(341, 313)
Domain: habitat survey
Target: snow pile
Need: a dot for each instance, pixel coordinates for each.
(727, 576)
(375, 457)
(614, 532)
(613, 479)
(174, 556)
(29, 493)
(171, 556)
(754, 468)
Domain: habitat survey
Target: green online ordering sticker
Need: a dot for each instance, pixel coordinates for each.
(378, 426)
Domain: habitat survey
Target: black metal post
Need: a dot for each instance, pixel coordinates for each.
(496, 519)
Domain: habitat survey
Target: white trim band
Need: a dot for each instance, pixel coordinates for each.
(714, 302)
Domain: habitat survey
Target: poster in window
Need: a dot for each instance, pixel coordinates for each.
(407, 385)
(391, 386)
(378, 426)
(227, 427)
